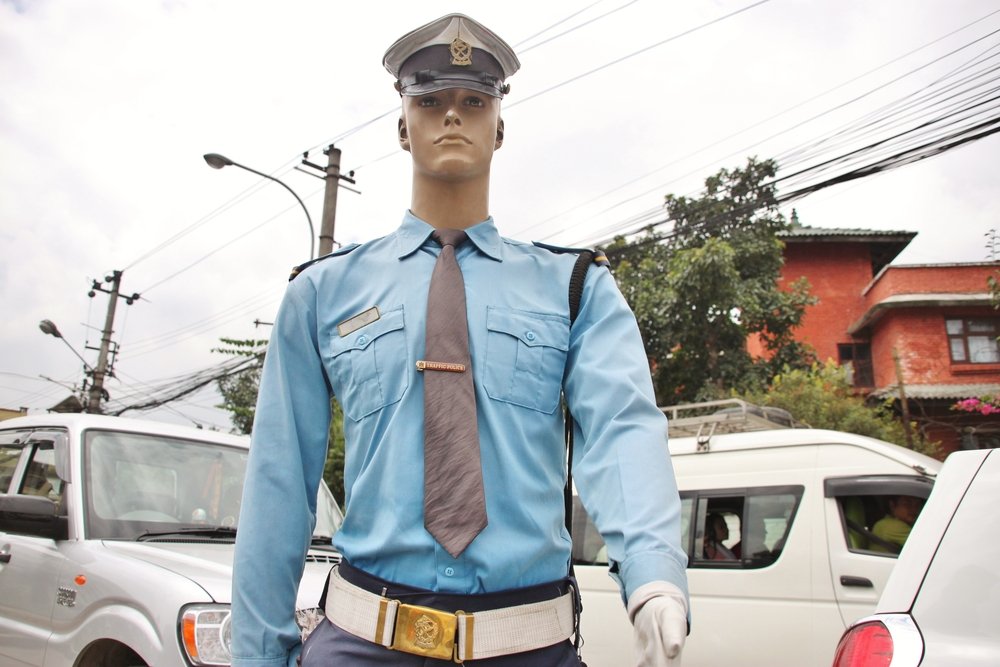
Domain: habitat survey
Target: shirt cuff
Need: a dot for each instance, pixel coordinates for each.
(648, 566)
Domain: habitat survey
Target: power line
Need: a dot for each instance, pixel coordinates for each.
(622, 59)
(886, 112)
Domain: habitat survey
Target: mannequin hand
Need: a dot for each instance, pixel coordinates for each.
(658, 611)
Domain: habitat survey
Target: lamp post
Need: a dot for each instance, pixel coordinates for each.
(216, 161)
(49, 327)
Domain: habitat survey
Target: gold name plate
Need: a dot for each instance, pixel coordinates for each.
(440, 366)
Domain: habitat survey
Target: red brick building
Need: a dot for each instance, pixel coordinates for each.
(927, 332)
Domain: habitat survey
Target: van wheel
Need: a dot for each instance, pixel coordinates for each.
(109, 653)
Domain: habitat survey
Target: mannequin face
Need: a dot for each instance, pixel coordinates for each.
(451, 134)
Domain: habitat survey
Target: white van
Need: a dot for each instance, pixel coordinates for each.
(798, 504)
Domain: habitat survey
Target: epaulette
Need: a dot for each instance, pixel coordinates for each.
(305, 265)
(598, 258)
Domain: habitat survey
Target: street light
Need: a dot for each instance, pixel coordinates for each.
(216, 161)
(49, 327)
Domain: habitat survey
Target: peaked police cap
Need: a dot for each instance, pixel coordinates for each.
(454, 51)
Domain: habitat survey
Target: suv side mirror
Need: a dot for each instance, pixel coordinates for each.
(32, 515)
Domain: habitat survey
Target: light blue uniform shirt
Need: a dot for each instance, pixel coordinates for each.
(525, 357)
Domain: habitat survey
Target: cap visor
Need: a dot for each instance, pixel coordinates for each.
(444, 84)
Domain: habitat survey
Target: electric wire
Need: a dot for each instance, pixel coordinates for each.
(920, 145)
(886, 111)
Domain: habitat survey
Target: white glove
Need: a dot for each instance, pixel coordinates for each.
(658, 611)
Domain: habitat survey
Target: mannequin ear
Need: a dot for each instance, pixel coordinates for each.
(499, 133)
(404, 136)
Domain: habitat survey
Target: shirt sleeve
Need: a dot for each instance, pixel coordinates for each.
(621, 462)
(287, 454)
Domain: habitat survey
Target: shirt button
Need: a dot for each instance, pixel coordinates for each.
(530, 335)
(449, 571)
(362, 340)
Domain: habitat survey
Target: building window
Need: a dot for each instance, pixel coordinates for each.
(857, 359)
(973, 341)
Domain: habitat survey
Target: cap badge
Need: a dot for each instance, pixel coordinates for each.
(461, 52)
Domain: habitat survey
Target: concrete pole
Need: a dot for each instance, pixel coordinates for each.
(329, 200)
(97, 386)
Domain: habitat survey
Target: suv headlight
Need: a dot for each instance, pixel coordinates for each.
(206, 635)
(206, 632)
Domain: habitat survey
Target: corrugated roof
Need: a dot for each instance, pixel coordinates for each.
(941, 391)
(857, 233)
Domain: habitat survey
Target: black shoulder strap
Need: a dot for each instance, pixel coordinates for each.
(576, 280)
(583, 262)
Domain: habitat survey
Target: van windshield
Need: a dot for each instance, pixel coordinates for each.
(139, 484)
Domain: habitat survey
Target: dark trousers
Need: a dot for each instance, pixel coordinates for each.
(330, 646)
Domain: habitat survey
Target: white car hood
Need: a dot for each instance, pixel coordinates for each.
(210, 565)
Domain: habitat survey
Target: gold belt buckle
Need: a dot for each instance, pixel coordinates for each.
(425, 631)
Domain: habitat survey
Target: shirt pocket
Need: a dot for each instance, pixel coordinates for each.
(525, 357)
(370, 366)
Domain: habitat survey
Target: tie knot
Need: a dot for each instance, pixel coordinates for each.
(452, 237)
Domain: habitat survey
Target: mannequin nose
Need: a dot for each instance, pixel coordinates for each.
(451, 117)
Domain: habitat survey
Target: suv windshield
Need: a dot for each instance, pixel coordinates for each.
(139, 485)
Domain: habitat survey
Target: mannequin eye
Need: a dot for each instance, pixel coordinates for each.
(475, 101)
(428, 101)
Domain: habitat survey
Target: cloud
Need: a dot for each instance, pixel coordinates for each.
(109, 105)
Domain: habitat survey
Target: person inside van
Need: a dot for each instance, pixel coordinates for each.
(896, 525)
(35, 481)
(716, 532)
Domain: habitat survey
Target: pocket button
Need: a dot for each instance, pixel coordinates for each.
(362, 340)
(530, 335)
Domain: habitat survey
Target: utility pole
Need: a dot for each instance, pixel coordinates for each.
(104, 366)
(329, 200)
(904, 404)
(333, 179)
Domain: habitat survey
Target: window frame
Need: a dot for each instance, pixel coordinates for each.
(695, 505)
(701, 500)
(966, 332)
(875, 489)
(857, 355)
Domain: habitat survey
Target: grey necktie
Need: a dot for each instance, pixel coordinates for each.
(454, 500)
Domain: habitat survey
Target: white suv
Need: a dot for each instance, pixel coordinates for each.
(941, 603)
(116, 542)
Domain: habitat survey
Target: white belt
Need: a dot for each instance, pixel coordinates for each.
(445, 635)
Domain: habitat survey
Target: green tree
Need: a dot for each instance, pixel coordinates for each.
(239, 394)
(822, 397)
(239, 391)
(702, 289)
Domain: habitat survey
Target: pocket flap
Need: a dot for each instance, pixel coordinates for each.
(363, 337)
(532, 329)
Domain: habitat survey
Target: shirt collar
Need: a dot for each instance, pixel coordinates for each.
(414, 232)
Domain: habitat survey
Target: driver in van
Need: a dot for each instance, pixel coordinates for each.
(896, 525)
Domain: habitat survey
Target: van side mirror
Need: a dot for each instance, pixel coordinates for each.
(32, 515)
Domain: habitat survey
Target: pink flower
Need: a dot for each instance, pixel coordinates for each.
(989, 405)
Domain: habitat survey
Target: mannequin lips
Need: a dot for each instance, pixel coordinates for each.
(452, 138)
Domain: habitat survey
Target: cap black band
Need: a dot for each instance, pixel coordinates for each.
(431, 75)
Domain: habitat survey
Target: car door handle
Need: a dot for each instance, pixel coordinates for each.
(860, 582)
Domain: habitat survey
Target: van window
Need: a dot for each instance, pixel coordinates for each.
(750, 524)
(877, 511)
(9, 456)
(739, 528)
(40, 477)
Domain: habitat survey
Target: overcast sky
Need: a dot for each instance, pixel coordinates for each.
(108, 106)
